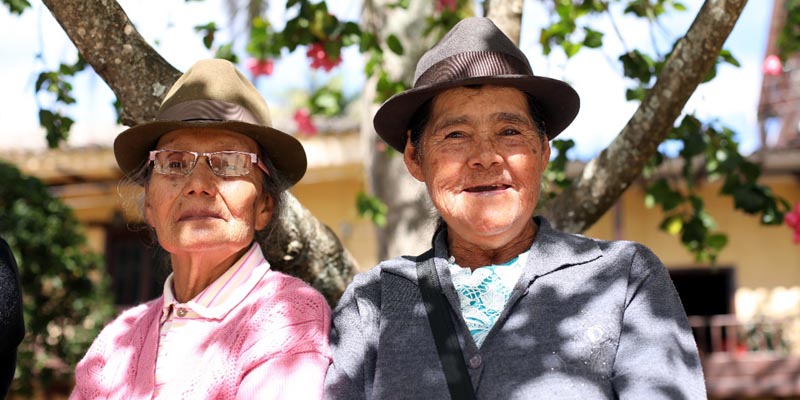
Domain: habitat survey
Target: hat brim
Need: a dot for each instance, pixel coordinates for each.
(132, 146)
(558, 101)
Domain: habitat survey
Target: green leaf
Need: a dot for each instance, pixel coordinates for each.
(56, 125)
(400, 4)
(693, 144)
(570, 48)
(659, 192)
(636, 93)
(717, 241)
(672, 225)
(368, 42)
(17, 6)
(727, 56)
(749, 199)
(225, 52)
(371, 207)
(637, 65)
(208, 30)
(593, 39)
(394, 44)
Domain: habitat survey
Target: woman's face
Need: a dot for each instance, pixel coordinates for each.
(202, 211)
(482, 160)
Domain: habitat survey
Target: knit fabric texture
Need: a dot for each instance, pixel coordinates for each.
(272, 345)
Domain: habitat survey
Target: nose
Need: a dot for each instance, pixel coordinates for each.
(484, 154)
(201, 181)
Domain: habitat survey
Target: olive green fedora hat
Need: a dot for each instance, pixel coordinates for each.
(475, 52)
(213, 94)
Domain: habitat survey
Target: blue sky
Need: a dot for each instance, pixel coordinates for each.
(35, 41)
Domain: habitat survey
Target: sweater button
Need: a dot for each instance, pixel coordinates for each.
(182, 312)
(475, 362)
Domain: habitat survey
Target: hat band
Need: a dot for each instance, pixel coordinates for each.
(473, 64)
(207, 110)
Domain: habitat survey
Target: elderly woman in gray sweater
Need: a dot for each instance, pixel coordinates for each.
(502, 306)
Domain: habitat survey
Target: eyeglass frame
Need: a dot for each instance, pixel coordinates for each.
(254, 159)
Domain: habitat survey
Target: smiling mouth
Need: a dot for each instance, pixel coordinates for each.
(486, 188)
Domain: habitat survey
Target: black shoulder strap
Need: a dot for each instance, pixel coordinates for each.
(444, 333)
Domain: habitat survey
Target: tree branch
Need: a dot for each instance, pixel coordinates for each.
(140, 77)
(607, 176)
(108, 41)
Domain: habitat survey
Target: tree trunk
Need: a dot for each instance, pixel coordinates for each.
(410, 216)
(140, 78)
(607, 176)
(507, 15)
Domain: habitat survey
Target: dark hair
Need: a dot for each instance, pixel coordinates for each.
(419, 120)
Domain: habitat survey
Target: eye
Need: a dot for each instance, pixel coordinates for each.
(510, 132)
(454, 135)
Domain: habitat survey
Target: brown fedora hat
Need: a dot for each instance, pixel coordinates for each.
(475, 52)
(213, 94)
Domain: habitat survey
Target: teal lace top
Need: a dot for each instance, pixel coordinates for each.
(483, 293)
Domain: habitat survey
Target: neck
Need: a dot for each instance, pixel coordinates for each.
(474, 255)
(193, 272)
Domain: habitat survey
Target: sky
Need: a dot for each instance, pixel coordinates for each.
(34, 41)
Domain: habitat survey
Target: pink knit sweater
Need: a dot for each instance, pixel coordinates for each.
(272, 345)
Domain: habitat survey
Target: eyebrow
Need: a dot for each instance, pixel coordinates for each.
(450, 122)
(510, 117)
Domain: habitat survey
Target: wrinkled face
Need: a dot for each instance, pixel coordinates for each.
(482, 160)
(202, 211)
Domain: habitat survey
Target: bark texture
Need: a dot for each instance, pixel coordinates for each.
(140, 77)
(507, 15)
(410, 217)
(108, 41)
(608, 175)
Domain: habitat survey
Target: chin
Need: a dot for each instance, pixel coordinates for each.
(485, 227)
(199, 244)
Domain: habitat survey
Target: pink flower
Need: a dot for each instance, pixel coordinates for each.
(792, 219)
(319, 58)
(446, 5)
(259, 67)
(772, 65)
(304, 124)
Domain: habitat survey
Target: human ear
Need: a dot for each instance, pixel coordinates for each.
(264, 208)
(545, 154)
(411, 160)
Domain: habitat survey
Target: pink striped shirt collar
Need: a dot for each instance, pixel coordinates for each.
(215, 301)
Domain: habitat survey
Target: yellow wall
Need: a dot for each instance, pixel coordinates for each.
(334, 204)
(766, 261)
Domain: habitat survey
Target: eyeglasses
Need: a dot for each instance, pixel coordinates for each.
(222, 163)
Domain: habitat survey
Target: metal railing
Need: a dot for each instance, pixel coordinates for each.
(726, 334)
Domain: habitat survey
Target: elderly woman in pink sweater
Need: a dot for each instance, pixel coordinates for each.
(227, 327)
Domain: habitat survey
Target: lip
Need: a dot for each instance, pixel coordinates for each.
(194, 215)
(487, 188)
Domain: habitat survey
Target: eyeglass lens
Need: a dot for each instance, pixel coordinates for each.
(173, 162)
